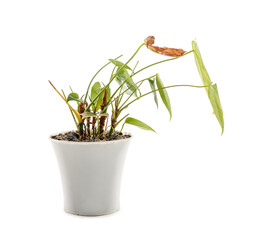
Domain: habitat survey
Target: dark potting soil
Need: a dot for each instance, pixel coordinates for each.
(73, 136)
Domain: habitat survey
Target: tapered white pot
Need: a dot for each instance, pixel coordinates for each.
(91, 175)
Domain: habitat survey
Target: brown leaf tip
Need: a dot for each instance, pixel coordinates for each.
(170, 52)
(149, 41)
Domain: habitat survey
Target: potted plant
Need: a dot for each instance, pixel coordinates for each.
(91, 157)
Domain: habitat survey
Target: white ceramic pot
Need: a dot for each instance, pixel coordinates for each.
(91, 175)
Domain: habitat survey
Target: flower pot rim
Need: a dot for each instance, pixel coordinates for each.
(88, 143)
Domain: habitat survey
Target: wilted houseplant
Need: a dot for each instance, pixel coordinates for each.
(97, 117)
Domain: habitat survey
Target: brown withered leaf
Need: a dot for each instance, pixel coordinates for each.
(171, 52)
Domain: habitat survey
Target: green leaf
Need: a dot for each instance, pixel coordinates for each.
(122, 76)
(73, 97)
(95, 90)
(212, 90)
(138, 123)
(216, 104)
(152, 85)
(88, 114)
(119, 64)
(164, 95)
(200, 65)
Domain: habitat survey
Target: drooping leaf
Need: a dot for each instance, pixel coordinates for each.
(170, 52)
(152, 85)
(216, 104)
(138, 123)
(73, 97)
(200, 65)
(123, 76)
(95, 91)
(88, 114)
(212, 90)
(164, 95)
(119, 64)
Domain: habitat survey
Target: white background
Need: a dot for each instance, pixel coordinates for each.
(185, 182)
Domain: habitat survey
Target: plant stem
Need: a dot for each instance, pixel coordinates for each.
(161, 89)
(135, 68)
(111, 131)
(121, 120)
(114, 117)
(121, 88)
(122, 127)
(103, 118)
(166, 60)
(112, 73)
(81, 124)
(119, 94)
(88, 128)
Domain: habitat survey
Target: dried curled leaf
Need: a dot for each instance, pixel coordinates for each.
(171, 52)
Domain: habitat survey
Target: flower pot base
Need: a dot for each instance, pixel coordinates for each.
(92, 214)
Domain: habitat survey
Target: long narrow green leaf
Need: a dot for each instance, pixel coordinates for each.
(164, 95)
(212, 90)
(216, 104)
(138, 123)
(200, 65)
(152, 85)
